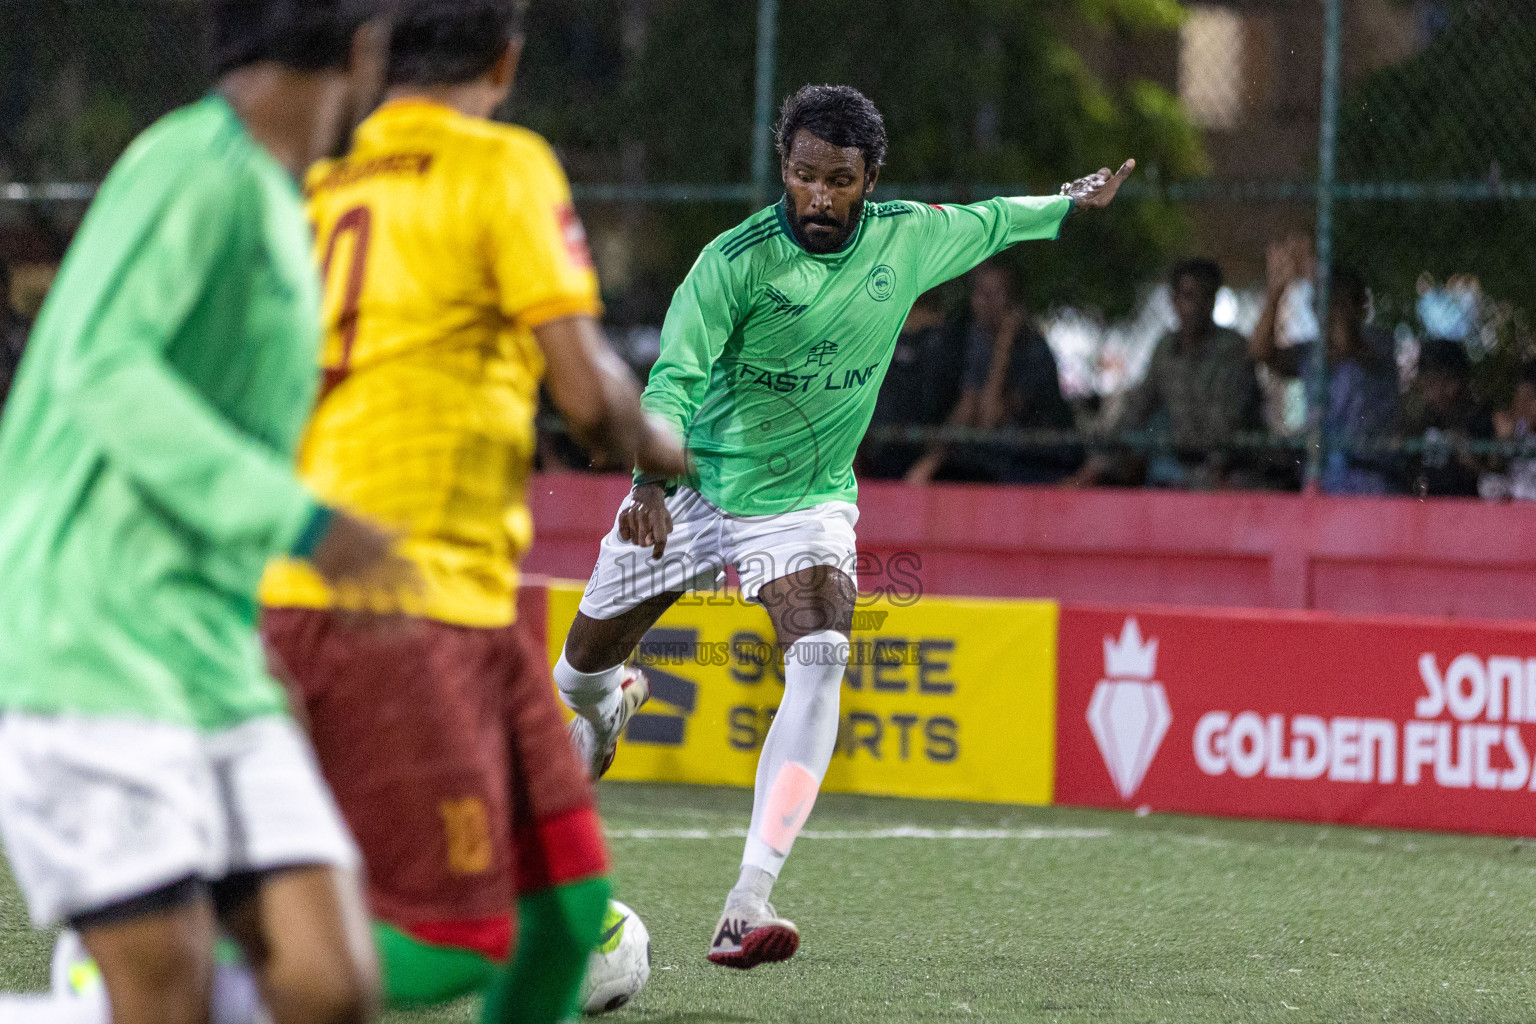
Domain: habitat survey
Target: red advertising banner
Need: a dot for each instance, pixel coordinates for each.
(1424, 724)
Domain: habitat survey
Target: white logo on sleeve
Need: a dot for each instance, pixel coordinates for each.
(1129, 712)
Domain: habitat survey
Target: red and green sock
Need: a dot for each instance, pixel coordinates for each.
(420, 973)
(557, 930)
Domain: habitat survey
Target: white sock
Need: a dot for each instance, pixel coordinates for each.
(236, 996)
(52, 1008)
(78, 993)
(594, 696)
(795, 757)
(753, 885)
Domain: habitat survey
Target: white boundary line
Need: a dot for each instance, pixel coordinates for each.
(899, 832)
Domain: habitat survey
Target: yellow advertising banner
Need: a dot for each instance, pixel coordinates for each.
(943, 698)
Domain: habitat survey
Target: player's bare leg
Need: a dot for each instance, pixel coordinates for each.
(812, 613)
(596, 684)
(305, 933)
(597, 644)
(158, 966)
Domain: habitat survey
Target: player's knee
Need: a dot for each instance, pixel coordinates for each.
(323, 990)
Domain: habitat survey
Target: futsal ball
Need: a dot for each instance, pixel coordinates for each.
(621, 965)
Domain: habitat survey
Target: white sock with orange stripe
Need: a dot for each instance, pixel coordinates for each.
(795, 757)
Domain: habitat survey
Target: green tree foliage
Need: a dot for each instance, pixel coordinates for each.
(978, 95)
(79, 78)
(1461, 110)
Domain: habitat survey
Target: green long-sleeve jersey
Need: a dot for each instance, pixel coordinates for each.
(146, 451)
(772, 356)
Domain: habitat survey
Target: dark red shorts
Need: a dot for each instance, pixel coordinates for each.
(448, 755)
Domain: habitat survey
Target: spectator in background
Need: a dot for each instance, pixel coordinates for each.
(1439, 409)
(1200, 390)
(1361, 401)
(14, 329)
(1008, 380)
(1516, 424)
(920, 388)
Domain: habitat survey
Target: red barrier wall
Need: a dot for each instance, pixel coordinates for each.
(1363, 556)
(1404, 723)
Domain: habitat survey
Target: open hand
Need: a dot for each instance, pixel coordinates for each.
(1096, 190)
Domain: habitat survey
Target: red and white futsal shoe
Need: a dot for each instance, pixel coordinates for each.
(596, 743)
(748, 935)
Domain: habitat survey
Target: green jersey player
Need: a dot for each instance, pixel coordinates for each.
(772, 356)
(151, 782)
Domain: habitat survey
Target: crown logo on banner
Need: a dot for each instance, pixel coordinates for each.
(1130, 658)
(1128, 713)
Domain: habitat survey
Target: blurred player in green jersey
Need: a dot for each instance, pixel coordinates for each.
(152, 785)
(772, 355)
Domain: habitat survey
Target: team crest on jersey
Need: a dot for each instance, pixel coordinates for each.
(881, 284)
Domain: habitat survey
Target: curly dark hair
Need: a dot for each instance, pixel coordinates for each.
(838, 114)
(449, 42)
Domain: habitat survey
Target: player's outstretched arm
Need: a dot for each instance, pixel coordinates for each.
(600, 400)
(953, 239)
(1097, 190)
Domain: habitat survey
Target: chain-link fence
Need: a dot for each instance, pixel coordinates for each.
(77, 81)
(1393, 141)
(1437, 172)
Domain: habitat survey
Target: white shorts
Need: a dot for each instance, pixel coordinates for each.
(704, 540)
(97, 811)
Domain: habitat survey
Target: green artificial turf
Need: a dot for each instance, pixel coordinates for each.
(1069, 916)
